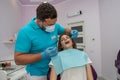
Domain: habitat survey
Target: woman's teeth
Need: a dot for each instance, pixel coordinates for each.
(67, 42)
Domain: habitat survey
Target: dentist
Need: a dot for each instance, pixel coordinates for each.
(37, 41)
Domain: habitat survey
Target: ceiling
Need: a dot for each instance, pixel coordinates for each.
(37, 2)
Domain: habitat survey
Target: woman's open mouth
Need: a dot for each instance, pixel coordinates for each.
(67, 42)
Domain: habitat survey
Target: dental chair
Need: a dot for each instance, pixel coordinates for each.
(117, 65)
(94, 73)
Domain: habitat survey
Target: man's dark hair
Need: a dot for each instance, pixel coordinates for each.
(46, 10)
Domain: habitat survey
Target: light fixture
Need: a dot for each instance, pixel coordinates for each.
(41, 0)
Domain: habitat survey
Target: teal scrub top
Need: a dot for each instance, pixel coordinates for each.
(31, 39)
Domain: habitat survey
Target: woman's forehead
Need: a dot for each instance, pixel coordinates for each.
(64, 36)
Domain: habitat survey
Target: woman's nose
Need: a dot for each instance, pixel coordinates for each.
(65, 39)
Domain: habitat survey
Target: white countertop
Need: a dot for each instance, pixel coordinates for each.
(15, 72)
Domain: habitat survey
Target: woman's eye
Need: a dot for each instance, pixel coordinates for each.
(61, 39)
(67, 37)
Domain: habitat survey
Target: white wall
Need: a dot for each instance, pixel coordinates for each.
(90, 9)
(110, 36)
(28, 12)
(9, 24)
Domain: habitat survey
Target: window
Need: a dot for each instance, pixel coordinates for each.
(79, 25)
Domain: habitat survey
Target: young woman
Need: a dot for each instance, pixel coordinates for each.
(74, 73)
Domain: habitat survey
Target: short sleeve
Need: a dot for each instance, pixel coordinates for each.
(23, 43)
(50, 64)
(60, 28)
(89, 61)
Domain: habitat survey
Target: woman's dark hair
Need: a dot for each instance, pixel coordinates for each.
(60, 48)
(46, 10)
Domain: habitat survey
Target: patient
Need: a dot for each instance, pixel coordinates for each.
(74, 73)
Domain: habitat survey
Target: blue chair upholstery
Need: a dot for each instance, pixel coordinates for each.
(117, 64)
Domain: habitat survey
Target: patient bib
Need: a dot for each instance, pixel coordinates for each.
(68, 59)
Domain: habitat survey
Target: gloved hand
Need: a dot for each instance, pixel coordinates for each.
(74, 34)
(49, 52)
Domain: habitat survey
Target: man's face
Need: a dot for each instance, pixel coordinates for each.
(49, 22)
(46, 22)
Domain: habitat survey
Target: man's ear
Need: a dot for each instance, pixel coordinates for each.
(38, 21)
